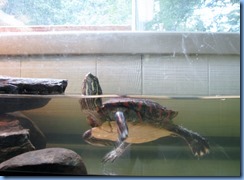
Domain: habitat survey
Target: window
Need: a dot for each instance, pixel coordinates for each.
(150, 15)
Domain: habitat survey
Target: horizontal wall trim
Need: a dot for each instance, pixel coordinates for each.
(33, 43)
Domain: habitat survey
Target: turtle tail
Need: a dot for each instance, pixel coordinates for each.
(198, 144)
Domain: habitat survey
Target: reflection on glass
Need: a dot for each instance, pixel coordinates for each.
(150, 15)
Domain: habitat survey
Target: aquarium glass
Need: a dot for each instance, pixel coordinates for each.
(179, 54)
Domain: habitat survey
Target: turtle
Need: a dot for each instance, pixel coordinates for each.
(122, 121)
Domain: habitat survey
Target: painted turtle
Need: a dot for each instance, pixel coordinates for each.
(130, 121)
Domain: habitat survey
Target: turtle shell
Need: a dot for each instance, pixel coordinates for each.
(145, 120)
(138, 133)
(143, 110)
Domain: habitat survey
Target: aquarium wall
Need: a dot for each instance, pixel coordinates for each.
(196, 74)
(185, 64)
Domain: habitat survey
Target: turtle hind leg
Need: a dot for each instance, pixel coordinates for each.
(198, 144)
(117, 152)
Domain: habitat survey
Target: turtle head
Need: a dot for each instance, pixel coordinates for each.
(91, 87)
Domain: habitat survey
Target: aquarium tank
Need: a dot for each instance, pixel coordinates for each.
(120, 88)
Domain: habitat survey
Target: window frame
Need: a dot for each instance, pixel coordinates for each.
(105, 42)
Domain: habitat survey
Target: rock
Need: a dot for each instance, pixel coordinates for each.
(35, 86)
(11, 104)
(10, 85)
(37, 137)
(46, 161)
(14, 142)
(18, 134)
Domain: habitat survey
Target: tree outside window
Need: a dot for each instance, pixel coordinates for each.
(138, 15)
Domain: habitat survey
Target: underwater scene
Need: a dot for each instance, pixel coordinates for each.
(216, 118)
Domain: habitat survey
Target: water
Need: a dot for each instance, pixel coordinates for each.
(216, 118)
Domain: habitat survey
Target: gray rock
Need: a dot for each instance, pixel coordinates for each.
(18, 134)
(9, 85)
(14, 143)
(37, 137)
(37, 86)
(46, 161)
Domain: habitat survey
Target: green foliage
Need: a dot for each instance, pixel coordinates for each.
(169, 15)
(197, 15)
(70, 12)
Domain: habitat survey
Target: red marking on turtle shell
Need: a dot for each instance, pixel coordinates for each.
(139, 105)
(160, 112)
(126, 104)
(168, 115)
(139, 116)
(150, 108)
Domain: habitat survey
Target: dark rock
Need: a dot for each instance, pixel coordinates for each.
(14, 143)
(18, 134)
(10, 85)
(46, 161)
(32, 86)
(37, 137)
(11, 104)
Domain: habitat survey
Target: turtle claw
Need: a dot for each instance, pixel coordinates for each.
(201, 152)
(199, 147)
(110, 157)
(114, 154)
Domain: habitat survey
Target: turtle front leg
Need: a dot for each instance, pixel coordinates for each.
(122, 129)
